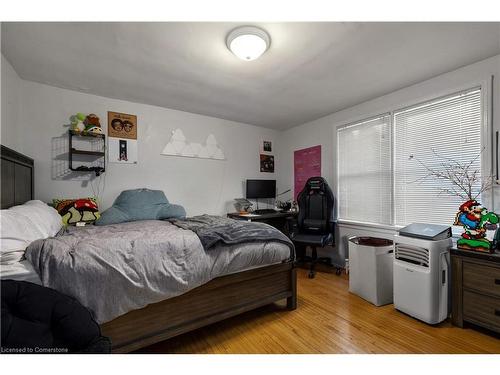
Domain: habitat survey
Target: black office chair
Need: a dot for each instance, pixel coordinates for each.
(315, 222)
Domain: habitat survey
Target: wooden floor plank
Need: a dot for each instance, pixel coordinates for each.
(328, 319)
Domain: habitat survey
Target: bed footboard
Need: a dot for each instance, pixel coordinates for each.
(214, 301)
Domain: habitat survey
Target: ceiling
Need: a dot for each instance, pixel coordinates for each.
(310, 70)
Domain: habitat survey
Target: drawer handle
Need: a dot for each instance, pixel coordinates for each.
(497, 281)
(497, 312)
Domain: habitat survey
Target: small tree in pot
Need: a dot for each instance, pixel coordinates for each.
(464, 180)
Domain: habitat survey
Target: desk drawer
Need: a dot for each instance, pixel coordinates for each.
(482, 309)
(484, 279)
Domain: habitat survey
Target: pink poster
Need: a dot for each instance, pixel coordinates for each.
(307, 163)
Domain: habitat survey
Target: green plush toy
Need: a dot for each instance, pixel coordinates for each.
(77, 124)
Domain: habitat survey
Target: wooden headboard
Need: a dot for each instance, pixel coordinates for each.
(17, 178)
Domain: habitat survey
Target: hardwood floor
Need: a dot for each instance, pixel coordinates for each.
(328, 320)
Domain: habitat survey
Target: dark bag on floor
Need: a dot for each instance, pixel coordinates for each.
(36, 319)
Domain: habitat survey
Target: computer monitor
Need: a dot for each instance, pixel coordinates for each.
(261, 189)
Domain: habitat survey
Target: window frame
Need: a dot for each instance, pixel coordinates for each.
(488, 159)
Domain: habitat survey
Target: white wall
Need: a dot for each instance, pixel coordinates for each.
(201, 186)
(10, 87)
(322, 131)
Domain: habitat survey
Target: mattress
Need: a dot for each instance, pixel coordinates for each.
(20, 271)
(241, 258)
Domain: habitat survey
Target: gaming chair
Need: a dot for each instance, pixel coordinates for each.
(315, 222)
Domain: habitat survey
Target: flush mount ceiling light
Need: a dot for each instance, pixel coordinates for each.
(248, 42)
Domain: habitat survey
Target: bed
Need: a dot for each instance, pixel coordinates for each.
(218, 299)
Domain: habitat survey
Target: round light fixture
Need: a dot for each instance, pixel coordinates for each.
(248, 42)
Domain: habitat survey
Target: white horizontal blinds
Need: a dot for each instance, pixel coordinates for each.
(447, 129)
(364, 171)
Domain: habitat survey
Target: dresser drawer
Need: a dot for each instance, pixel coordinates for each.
(484, 279)
(482, 309)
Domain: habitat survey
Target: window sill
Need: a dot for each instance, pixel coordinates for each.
(358, 224)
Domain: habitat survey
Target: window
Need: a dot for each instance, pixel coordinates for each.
(425, 136)
(382, 162)
(364, 171)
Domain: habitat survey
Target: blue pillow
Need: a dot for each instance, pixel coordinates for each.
(140, 204)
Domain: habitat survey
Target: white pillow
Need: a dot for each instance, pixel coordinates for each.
(21, 225)
(44, 217)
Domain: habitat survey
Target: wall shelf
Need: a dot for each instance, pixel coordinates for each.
(85, 134)
(93, 153)
(85, 152)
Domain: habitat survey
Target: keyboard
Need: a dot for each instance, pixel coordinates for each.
(265, 211)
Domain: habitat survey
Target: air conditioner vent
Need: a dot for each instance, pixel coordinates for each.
(412, 254)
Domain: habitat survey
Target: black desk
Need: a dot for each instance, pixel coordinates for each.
(278, 220)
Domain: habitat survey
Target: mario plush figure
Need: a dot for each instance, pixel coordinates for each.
(474, 218)
(92, 124)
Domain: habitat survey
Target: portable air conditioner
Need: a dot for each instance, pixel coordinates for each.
(422, 277)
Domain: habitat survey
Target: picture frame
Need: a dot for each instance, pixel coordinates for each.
(267, 163)
(122, 150)
(122, 125)
(266, 147)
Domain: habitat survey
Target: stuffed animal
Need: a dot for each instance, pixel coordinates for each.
(92, 124)
(73, 211)
(77, 122)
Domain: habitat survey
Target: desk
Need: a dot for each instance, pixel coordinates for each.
(275, 219)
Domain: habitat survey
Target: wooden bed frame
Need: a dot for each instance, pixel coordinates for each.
(214, 301)
(217, 300)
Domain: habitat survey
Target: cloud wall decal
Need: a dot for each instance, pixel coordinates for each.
(179, 146)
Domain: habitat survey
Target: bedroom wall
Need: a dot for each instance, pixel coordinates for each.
(201, 186)
(10, 88)
(323, 132)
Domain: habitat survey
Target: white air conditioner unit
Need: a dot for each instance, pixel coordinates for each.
(422, 278)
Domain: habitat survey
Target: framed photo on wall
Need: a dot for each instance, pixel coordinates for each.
(122, 125)
(267, 163)
(122, 150)
(266, 147)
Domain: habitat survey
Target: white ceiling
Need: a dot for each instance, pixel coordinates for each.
(310, 70)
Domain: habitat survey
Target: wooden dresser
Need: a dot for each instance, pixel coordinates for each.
(476, 289)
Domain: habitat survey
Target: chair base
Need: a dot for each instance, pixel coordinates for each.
(314, 260)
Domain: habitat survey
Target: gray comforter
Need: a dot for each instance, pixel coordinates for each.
(114, 269)
(213, 230)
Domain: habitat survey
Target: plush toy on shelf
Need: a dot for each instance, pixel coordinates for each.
(92, 124)
(77, 122)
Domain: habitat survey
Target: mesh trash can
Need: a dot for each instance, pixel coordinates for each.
(370, 269)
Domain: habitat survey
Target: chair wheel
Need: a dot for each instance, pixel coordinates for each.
(338, 271)
(311, 275)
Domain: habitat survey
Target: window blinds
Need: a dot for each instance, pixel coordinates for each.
(364, 171)
(447, 129)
